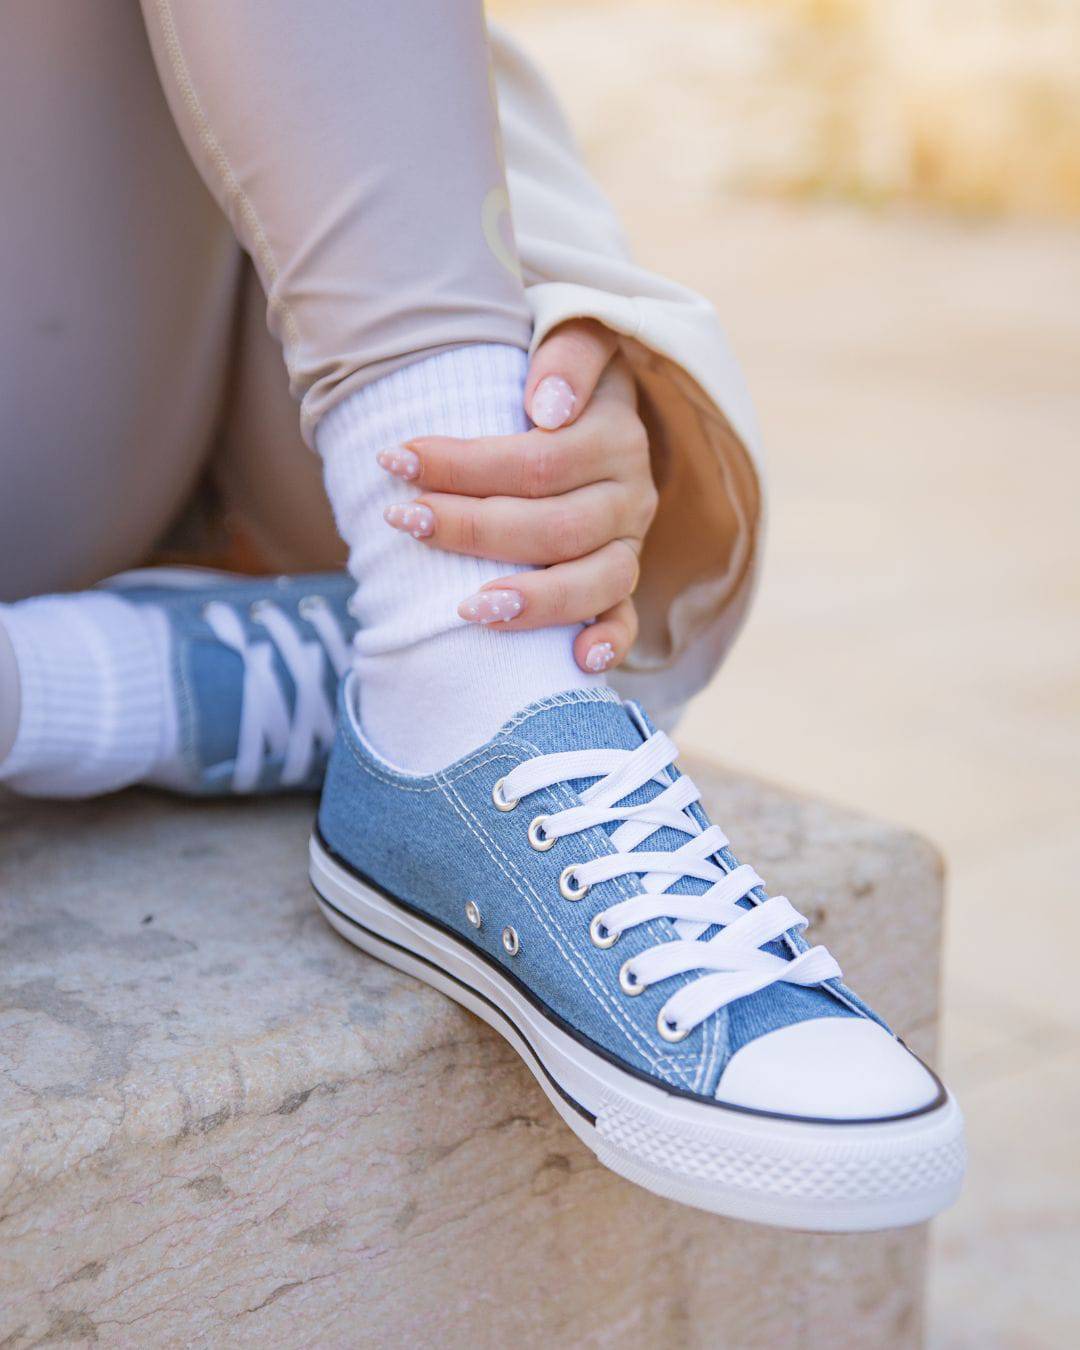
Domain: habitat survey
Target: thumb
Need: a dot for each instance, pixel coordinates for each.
(564, 371)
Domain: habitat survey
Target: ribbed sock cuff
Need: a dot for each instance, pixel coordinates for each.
(409, 592)
(93, 680)
(432, 685)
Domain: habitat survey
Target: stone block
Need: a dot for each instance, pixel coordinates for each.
(221, 1125)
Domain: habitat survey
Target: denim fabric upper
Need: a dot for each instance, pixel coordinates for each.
(437, 842)
(208, 676)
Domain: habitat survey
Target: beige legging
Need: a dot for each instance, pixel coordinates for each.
(353, 148)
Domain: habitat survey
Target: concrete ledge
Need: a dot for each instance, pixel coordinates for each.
(220, 1124)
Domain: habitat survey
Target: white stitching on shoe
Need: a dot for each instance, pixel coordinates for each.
(546, 919)
(559, 701)
(735, 961)
(656, 930)
(490, 755)
(403, 784)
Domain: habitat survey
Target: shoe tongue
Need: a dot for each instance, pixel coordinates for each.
(216, 727)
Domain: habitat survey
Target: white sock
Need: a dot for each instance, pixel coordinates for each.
(94, 689)
(432, 686)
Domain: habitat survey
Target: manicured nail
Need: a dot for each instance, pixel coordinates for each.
(599, 656)
(402, 462)
(415, 519)
(492, 606)
(552, 402)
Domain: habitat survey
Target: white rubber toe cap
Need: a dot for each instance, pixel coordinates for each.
(835, 1068)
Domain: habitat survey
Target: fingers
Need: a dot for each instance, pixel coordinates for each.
(603, 645)
(508, 529)
(610, 442)
(532, 464)
(564, 372)
(567, 593)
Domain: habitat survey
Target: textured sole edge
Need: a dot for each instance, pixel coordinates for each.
(814, 1177)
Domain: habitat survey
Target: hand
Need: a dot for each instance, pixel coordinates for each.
(574, 496)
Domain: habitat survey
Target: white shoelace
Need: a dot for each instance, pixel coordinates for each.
(732, 962)
(265, 725)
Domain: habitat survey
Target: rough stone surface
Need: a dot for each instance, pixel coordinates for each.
(220, 1124)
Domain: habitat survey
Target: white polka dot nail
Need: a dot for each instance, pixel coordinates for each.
(599, 656)
(401, 462)
(552, 402)
(492, 606)
(415, 519)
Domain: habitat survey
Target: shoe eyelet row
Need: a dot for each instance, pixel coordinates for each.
(537, 838)
(503, 803)
(569, 886)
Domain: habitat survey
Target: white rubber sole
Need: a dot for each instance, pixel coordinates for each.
(766, 1169)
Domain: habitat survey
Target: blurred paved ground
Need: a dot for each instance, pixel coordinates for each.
(915, 651)
(915, 648)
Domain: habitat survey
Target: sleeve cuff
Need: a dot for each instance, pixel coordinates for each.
(700, 560)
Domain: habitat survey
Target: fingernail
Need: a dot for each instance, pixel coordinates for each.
(599, 656)
(415, 519)
(492, 606)
(402, 462)
(552, 402)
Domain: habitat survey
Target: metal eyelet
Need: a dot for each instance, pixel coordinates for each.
(472, 914)
(539, 840)
(258, 609)
(503, 803)
(309, 605)
(511, 942)
(634, 986)
(607, 938)
(567, 889)
(671, 1034)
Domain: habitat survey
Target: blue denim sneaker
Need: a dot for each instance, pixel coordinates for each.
(564, 883)
(255, 665)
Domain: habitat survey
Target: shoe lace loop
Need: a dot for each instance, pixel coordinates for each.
(729, 965)
(266, 726)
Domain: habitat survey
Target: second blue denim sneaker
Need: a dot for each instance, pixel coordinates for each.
(564, 883)
(254, 667)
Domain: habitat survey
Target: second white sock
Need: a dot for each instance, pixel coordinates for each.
(432, 686)
(95, 708)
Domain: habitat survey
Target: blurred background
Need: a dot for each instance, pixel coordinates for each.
(882, 198)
